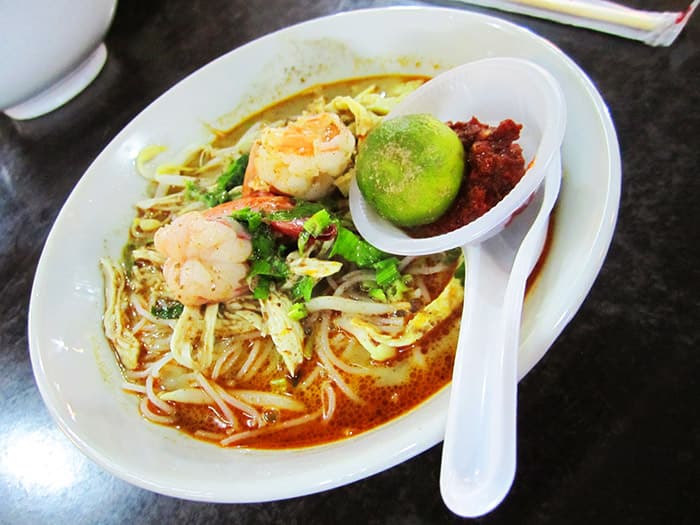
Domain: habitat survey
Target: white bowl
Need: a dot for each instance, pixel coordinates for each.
(51, 50)
(73, 365)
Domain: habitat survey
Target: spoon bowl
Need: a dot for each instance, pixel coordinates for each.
(491, 89)
(501, 247)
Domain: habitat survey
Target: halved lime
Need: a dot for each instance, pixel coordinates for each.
(409, 169)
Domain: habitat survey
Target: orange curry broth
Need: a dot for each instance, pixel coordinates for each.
(380, 403)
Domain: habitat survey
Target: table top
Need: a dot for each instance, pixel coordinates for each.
(608, 429)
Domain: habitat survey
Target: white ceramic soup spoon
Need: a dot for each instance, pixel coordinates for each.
(478, 462)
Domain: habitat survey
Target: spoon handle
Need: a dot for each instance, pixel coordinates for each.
(479, 451)
(478, 456)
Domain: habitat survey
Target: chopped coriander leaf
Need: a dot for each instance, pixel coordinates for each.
(297, 312)
(302, 209)
(302, 288)
(270, 267)
(262, 287)
(252, 218)
(194, 193)
(263, 243)
(165, 308)
(267, 261)
(233, 176)
(354, 249)
(229, 179)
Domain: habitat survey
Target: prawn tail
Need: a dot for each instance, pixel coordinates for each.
(262, 202)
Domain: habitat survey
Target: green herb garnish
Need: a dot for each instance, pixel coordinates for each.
(318, 222)
(165, 308)
(301, 210)
(262, 288)
(302, 288)
(297, 312)
(387, 271)
(269, 267)
(267, 260)
(229, 179)
(252, 218)
(352, 248)
(377, 294)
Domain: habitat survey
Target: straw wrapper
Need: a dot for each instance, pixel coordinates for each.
(655, 28)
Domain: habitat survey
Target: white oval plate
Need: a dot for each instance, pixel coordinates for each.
(73, 365)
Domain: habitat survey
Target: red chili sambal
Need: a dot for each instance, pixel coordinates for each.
(494, 165)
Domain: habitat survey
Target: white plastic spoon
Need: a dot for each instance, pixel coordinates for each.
(478, 464)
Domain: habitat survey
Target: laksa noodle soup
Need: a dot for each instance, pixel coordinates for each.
(247, 311)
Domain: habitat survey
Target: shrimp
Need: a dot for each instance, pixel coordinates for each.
(206, 258)
(270, 204)
(301, 159)
(267, 203)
